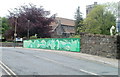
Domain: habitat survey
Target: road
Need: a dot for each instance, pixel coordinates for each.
(39, 62)
(2, 72)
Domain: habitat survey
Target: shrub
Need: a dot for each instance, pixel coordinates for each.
(24, 38)
(75, 36)
(33, 37)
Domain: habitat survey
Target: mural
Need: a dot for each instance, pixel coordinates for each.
(66, 44)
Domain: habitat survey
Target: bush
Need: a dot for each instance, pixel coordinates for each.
(75, 36)
(2, 40)
(33, 37)
(24, 38)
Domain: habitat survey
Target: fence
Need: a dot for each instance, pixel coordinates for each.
(66, 44)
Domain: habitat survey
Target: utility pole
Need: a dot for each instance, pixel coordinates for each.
(28, 29)
(15, 34)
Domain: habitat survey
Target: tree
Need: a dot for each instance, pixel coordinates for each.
(113, 7)
(29, 17)
(5, 25)
(99, 21)
(78, 21)
(108, 22)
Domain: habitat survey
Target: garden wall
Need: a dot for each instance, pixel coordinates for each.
(101, 45)
(11, 44)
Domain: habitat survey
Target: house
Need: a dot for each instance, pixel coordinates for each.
(118, 24)
(62, 28)
(90, 7)
(118, 20)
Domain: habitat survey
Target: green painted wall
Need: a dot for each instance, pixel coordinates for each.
(65, 44)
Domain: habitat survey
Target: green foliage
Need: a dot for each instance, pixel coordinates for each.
(33, 37)
(78, 21)
(75, 36)
(109, 20)
(5, 25)
(113, 7)
(118, 33)
(99, 21)
(79, 27)
(24, 38)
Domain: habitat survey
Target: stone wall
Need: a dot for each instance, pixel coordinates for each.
(11, 44)
(101, 45)
(118, 47)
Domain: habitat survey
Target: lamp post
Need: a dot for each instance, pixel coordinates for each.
(28, 29)
(15, 34)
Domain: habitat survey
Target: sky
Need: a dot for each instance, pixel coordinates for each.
(63, 8)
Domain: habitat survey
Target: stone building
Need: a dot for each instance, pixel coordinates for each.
(118, 24)
(62, 28)
(89, 8)
(118, 19)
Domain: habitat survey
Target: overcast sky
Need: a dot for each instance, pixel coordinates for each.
(63, 8)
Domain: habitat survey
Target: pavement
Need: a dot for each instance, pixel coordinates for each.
(103, 60)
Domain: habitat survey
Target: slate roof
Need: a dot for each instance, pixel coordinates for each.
(63, 21)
